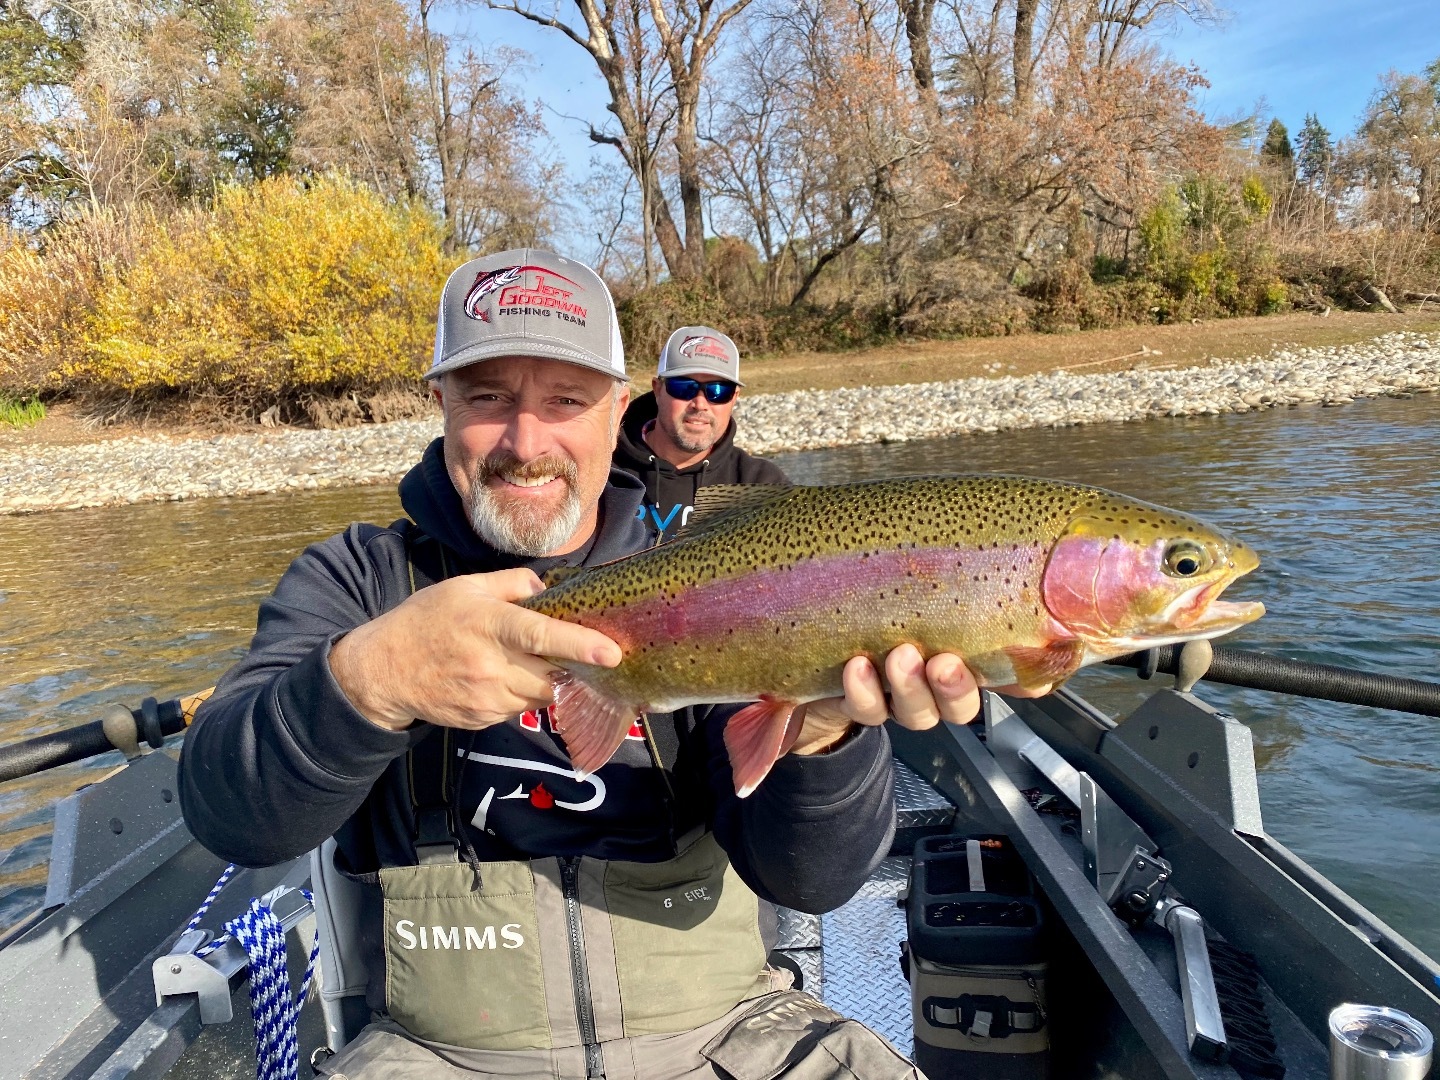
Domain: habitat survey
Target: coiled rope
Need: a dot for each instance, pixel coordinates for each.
(276, 1010)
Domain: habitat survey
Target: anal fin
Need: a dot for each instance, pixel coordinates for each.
(592, 725)
(755, 737)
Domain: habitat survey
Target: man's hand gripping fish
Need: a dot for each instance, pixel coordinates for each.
(770, 590)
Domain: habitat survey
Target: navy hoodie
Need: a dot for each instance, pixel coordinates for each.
(278, 759)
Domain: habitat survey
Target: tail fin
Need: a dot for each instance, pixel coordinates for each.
(592, 725)
(755, 737)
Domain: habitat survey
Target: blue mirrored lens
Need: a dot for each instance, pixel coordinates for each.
(683, 389)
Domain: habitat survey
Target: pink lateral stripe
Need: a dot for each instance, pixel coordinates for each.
(817, 586)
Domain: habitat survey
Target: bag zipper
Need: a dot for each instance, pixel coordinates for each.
(570, 889)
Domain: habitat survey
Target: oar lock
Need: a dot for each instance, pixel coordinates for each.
(125, 728)
(1192, 662)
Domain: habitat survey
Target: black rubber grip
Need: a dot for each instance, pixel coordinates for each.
(47, 751)
(1263, 671)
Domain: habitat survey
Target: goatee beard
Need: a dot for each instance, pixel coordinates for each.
(694, 443)
(531, 531)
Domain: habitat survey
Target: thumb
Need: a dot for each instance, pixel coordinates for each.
(519, 583)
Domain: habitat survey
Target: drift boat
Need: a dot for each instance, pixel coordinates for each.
(1068, 895)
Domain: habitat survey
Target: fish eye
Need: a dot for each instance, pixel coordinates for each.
(1184, 558)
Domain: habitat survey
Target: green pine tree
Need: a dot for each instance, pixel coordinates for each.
(1314, 151)
(1276, 148)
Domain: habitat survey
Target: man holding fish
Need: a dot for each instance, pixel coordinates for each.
(565, 804)
(615, 915)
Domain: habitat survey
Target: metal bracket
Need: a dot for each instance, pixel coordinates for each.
(1140, 887)
(213, 978)
(1110, 838)
(1016, 746)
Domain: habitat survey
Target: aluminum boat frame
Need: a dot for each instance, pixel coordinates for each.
(98, 984)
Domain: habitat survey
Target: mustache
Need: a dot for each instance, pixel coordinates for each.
(507, 466)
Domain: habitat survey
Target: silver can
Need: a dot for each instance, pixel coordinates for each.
(1371, 1042)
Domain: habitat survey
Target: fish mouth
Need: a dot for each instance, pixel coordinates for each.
(1199, 612)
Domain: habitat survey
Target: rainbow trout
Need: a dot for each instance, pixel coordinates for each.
(768, 591)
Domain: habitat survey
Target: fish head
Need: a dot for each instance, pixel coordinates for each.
(1128, 576)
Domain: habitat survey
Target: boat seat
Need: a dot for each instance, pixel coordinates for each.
(344, 974)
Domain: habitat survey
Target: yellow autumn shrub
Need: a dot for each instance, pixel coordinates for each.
(276, 287)
(48, 286)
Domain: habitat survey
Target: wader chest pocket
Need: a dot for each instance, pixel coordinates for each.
(462, 966)
(687, 939)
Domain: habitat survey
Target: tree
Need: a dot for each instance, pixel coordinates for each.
(1276, 149)
(1314, 152)
(628, 40)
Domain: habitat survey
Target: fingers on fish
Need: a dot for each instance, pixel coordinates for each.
(755, 737)
(592, 725)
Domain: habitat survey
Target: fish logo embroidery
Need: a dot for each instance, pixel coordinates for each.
(703, 345)
(485, 284)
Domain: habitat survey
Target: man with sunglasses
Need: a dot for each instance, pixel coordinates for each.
(681, 436)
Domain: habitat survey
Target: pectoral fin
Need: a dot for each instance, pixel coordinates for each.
(592, 725)
(1043, 667)
(754, 736)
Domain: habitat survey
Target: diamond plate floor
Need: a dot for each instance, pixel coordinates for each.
(862, 956)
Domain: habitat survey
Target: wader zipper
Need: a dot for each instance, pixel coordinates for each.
(569, 874)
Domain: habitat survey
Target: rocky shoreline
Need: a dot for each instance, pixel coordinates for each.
(158, 469)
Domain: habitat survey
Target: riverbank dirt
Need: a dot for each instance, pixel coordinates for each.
(1084, 352)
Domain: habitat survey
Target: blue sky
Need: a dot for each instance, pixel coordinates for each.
(1320, 56)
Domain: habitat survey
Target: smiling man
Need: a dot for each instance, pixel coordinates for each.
(681, 436)
(518, 918)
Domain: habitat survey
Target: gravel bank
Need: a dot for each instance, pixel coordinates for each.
(157, 469)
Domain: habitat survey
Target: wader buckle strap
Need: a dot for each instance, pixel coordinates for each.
(429, 761)
(985, 1016)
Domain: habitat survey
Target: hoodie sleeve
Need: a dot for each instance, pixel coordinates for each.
(278, 759)
(812, 832)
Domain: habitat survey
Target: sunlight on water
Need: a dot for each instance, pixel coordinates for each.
(111, 605)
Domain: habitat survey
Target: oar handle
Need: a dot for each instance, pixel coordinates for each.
(122, 729)
(1265, 671)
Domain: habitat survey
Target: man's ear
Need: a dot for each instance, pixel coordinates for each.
(617, 413)
(655, 384)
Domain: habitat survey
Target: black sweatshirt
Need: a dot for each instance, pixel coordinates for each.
(670, 492)
(277, 760)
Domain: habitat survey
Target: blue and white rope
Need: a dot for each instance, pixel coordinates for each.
(276, 1010)
(221, 882)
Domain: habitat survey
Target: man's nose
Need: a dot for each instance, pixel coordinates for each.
(527, 436)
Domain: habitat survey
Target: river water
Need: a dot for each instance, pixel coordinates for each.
(113, 604)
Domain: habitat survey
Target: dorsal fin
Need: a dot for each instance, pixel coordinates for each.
(717, 503)
(556, 574)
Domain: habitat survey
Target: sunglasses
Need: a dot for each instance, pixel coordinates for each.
(683, 389)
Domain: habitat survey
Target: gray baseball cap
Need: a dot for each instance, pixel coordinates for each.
(700, 350)
(527, 302)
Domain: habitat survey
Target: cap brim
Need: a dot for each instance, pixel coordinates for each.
(523, 346)
(692, 370)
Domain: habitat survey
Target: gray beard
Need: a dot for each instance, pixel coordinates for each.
(519, 532)
(528, 531)
(693, 444)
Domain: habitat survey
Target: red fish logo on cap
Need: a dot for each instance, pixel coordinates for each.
(703, 345)
(485, 284)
